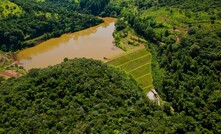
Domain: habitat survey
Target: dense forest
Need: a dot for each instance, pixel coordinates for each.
(79, 96)
(37, 21)
(84, 96)
(87, 96)
(186, 47)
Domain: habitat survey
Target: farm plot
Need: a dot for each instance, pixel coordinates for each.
(138, 64)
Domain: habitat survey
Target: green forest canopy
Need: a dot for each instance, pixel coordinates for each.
(79, 95)
(186, 53)
(186, 74)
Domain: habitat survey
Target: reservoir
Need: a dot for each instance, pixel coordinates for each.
(95, 42)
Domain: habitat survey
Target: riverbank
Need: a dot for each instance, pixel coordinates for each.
(10, 73)
(9, 67)
(11, 60)
(47, 36)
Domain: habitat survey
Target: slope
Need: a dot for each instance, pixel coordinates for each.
(78, 96)
(138, 64)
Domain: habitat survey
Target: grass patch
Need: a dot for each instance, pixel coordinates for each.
(128, 57)
(40, 0)
(130, 65)
(148, 88)
(139, 71)
(145, 80)
(138, 64)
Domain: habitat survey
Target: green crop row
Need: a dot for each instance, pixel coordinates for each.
(138, 64)
(128, 57)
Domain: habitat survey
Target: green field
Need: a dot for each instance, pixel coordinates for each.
(138, 64)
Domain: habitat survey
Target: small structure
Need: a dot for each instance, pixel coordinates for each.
(153, 96)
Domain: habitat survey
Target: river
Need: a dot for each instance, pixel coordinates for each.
(95, 42)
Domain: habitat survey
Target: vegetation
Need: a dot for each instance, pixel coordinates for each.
(9, 8)
(5, 60)
(79, 96)
(125, 37)
(26, 23)
(185, 45)
(138, 64)
(192, 79)
(7, 63)
(86, 96)
(93, 6)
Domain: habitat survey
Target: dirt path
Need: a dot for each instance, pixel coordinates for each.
(184, 31)
(177, 39)
(122, 54)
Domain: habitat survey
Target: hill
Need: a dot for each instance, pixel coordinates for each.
(84, 96)
(79, 96)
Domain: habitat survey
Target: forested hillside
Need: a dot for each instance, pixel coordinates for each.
(26, 23)
(185, 42)
(87, 96)
(79, 96)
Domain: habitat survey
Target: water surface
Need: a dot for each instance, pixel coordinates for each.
(95, 42)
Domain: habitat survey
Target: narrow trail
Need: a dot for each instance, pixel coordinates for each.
(183, 31)
(177, 39)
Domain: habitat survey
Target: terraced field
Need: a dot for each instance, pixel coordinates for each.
(138, 64)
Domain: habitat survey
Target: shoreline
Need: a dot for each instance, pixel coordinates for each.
(42, 38)
(54, 43)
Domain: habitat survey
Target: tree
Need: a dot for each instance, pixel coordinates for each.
(149, 33)
(194, 50)
(121, 24)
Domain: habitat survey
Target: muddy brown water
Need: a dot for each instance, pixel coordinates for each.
(95, 42)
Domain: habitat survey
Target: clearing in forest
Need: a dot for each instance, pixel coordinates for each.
(138, 64)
